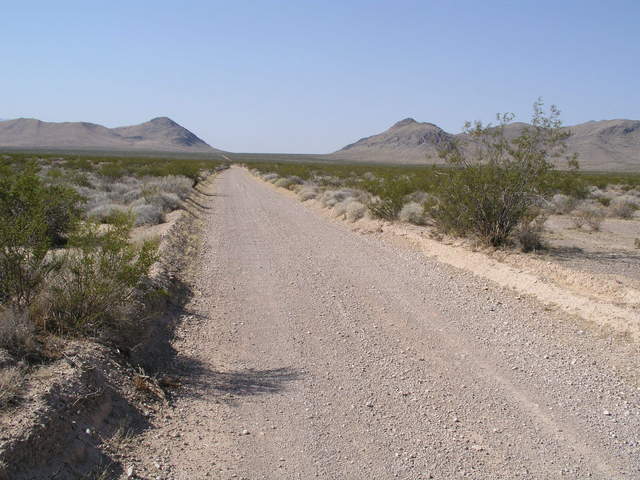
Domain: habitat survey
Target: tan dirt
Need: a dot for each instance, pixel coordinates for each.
(312, 351)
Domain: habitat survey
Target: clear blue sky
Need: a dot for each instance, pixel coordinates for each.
(312, 76)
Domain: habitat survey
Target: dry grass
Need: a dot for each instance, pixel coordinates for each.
(17, 334)
(11, 385)
(412, 212)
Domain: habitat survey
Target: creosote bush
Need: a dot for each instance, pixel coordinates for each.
(27, 233)
(494, 183)
(99, 280)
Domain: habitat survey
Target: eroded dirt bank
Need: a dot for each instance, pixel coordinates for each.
(311, 351)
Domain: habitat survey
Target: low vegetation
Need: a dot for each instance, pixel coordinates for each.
(68, 267)
(500, 194)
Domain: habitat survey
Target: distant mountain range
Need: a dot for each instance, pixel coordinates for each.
(158, 135)
(603, 145)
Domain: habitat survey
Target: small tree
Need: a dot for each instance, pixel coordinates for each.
(496, 177)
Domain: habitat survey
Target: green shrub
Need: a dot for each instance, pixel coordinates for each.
(99, 280)
(493, 186)
(26, 233)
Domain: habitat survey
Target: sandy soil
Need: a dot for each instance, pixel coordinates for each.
(312, 351)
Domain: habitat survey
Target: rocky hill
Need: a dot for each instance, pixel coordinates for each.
(604, 145)
(160, 134)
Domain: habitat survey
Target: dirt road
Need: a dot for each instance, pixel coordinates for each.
(317, 352)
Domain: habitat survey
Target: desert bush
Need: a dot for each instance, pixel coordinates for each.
(169, 201)
(563, 204)
(340, 208)
(18, 334)
(26, 235)
(11, 385)
(100, 279)
(418, 197)
(307, 193)
(493, 185)
(148, 214)
(62, 211)
(131, 196)
(355, 211)
(388, 196)
(179, 185)
(529, 232)
(623, 207)
(283, 182)
(589, 215)
(604, 201)
(269, 177)
(330, 198)
(412, 212)
(107, 213)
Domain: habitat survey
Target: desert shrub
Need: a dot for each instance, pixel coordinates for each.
(178, 185)
(388, 196)
(283, 182)
(166, 201)
(577, 219)
(269, 177)
(604, 201)
(11, 384)
(529, 232)
(26, 235)
(563, 204)
(131, 195)
(412, 212)
(623, 207)
(307, 193)
(107, 213)
(355, 211)
(636, 242)
(589, 215)
(18, 334)
(418, 197)
(80, 179)
(340, 208)
(330, 198)
(99, 280)
(148, 214)
(492, 186)
(62, 211)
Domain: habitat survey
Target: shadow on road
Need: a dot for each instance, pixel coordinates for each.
(199, 380)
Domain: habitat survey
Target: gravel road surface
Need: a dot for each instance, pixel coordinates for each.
(316, 352)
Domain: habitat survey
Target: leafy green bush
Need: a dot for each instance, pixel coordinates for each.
(99, 280)
(494, 185)
(26, 234)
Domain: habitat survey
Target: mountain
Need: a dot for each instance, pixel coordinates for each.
(160, 135)
(407, 141)
(603, 145)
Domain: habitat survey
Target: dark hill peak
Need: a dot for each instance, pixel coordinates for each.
(404, 123)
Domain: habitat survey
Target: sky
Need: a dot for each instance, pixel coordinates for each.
(303, 76)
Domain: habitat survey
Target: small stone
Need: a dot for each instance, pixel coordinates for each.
(369, 404)
(130, 472)
(245, 432)
(607, 413)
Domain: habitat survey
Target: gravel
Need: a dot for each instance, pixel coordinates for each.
(356, 358)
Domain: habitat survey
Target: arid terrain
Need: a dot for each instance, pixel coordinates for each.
(605, 145)
(311, 350)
